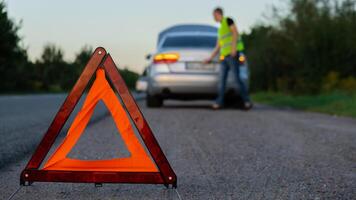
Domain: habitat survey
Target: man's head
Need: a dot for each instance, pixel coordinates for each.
(218, 14)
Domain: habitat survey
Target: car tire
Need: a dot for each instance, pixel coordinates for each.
(154, 101)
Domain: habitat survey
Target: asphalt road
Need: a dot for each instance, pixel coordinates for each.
(24, 119)
(267, 153)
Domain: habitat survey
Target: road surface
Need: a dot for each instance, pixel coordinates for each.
(267, 153)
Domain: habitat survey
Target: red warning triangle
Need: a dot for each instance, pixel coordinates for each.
(137, 168)
(138, 161)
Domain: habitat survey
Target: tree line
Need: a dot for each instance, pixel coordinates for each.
(308, 48)
(49, 73)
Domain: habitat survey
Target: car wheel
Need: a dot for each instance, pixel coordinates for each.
(154, 101)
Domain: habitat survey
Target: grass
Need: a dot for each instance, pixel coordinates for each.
(335, 103)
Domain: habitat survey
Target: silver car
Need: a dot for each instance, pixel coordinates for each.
(177, 70)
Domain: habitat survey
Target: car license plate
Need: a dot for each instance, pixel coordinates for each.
(197, 66)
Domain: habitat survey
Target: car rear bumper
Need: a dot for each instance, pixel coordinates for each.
(179, 83)
(186, 86)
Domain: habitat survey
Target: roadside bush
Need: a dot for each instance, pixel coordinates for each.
(331, 82)
(348, 84)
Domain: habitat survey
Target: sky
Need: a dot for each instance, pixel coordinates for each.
(126, 29)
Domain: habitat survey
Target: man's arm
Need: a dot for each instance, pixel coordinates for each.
(214, 53)
(235, 36)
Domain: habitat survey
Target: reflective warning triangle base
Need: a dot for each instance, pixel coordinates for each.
(61, 169)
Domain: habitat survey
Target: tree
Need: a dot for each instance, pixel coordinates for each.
(48, 73)
(13, 58)
(129, 77)
(83, 57)
(51, 70)
(315, 38)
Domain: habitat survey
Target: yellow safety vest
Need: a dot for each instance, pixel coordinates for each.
(225, 39)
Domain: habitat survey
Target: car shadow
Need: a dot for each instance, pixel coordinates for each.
(187, 107)
(198, 105)
(207, 106)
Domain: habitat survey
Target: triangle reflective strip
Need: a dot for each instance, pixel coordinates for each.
(138, 161)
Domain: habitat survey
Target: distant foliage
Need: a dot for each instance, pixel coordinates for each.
(13, 58)
(49, 73)
(333, 82)
(130, 77)
(51, 69)
(302, 51)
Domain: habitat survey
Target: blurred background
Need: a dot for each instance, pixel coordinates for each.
(301, 53)
(298, 54)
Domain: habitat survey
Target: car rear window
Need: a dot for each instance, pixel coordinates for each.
(189, 42)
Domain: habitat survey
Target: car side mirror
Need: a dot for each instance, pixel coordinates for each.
(148, 56)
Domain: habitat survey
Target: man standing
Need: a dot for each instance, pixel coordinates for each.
(229, 46)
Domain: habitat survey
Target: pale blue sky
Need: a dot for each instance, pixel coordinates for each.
(127, 29)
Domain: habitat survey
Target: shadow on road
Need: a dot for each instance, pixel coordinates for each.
(194, 105)
(187, 107)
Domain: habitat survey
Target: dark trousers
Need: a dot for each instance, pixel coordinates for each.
(227, 64)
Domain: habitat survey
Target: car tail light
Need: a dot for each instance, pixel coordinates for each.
(166, 58)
